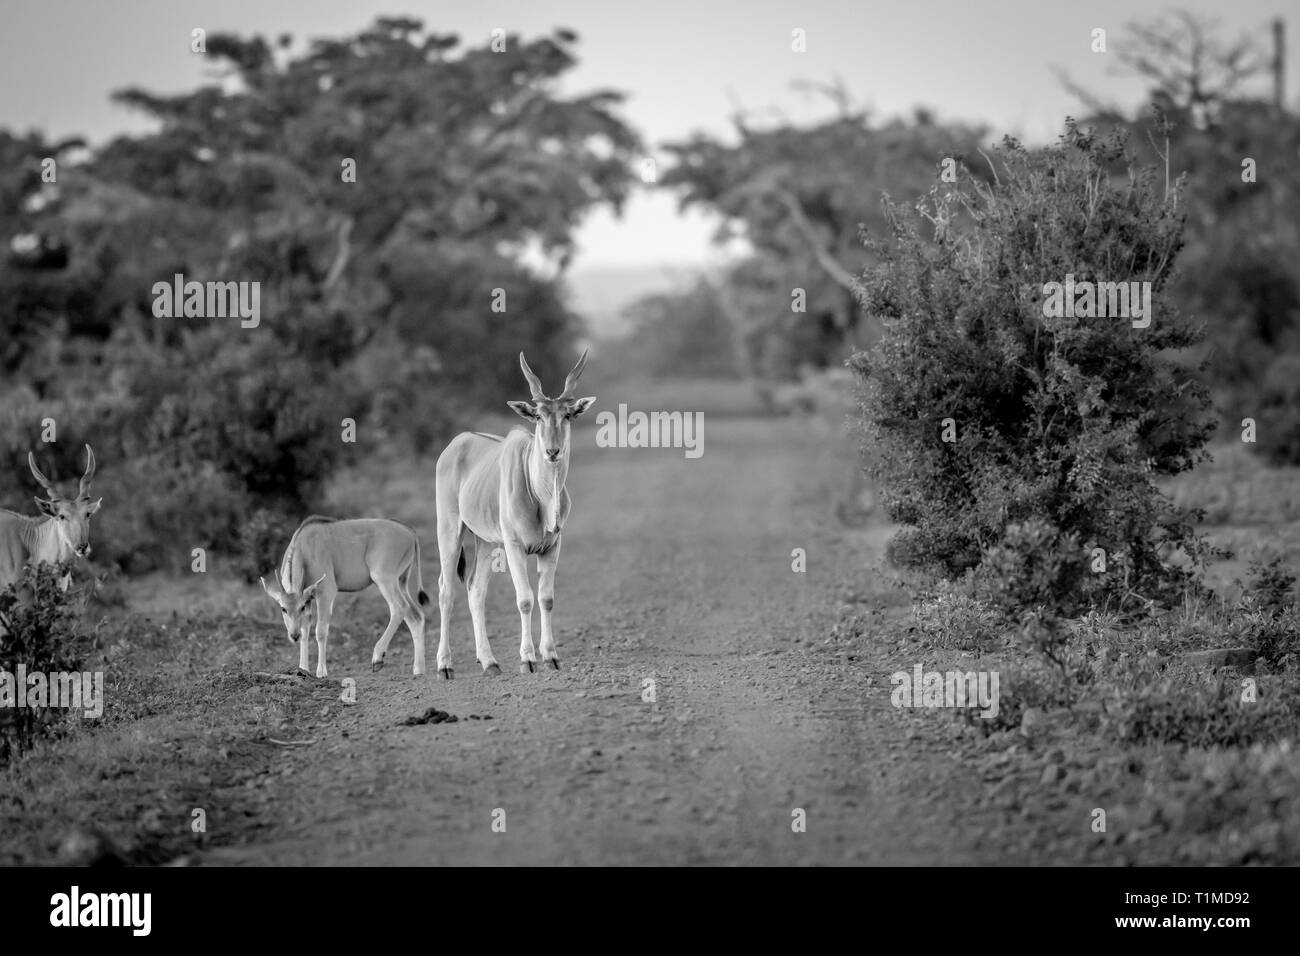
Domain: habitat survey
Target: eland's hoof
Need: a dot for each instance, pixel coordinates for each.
(446, 673)
(377, 665)
(492, 670)
(553, 663)
(526, 667)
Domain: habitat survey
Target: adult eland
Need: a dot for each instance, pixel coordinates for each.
(61, 532)
(507, 491)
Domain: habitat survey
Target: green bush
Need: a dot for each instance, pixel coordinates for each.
(952, 618)
(262, 415)
(1035, 565)
(1270, 586)
(37, 630)
(262, 540)
(1068, 421)
(1206, 714)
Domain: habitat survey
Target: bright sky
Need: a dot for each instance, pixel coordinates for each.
(686, 65)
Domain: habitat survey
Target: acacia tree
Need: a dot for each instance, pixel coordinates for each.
(376, 289)
(1211, 120)
(800, 196)
(998, 426)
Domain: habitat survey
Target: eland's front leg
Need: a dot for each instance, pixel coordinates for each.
(517, 559)
(304, 643)
(324, 611)
(546, 565)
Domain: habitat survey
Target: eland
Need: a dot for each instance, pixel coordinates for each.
(507, 491)
(59, 534)
(346, 556)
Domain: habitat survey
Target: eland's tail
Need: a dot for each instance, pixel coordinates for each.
(421, 596)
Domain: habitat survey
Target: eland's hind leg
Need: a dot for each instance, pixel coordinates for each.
(478, 586)
(396, 611)
(413, 614)
(449, 556)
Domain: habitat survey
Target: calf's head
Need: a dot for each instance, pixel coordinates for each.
(295, 606)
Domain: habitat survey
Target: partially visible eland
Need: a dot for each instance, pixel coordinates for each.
(508, 491)
(59, 534)
(344, 556)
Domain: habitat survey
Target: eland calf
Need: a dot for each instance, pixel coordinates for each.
(345, 556)
(510, 492)
(62, 531)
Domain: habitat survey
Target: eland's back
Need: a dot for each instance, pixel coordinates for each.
(350, 549)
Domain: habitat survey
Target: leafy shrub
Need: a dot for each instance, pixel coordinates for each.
(262, 415)
(1178, 711)
(952, 617)
(262, 540)
(1063, 419)
(1273, 636)
(1270, 586)
(37, 632)
(153, 516)
(1035, 565)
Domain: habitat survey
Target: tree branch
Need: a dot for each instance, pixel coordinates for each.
(342, 255)
(824, 258)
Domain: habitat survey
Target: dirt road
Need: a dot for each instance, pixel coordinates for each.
(676, 576)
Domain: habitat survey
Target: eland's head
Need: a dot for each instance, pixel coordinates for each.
(551, 416)
(295, 606)
(71, 516)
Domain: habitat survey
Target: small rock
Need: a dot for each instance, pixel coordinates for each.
(1052, 773)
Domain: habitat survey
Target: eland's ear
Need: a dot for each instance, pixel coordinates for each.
(524, 410)
(47, 507)
(311, 591)
(271, 590)
(580, 405)
(95, 507)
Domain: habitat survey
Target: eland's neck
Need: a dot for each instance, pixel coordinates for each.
(42, 540)
(546, 479)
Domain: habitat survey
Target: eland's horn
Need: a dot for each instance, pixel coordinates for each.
(572, 380)
(84, 488)
(533, 381)
(44, 482)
